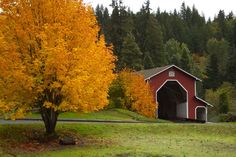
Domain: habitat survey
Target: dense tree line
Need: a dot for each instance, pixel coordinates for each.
(149, 38)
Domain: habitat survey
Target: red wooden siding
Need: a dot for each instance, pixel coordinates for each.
(185, 80)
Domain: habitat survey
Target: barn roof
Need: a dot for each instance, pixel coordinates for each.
(204, 101)
(149, 73)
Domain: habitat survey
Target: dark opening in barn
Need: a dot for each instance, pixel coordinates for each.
(201, 113)
(172, 100)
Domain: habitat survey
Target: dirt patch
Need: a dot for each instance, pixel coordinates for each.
(24, 141)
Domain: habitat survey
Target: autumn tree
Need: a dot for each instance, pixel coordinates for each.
(131, 92)
(51, 58)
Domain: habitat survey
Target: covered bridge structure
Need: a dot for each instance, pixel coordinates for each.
(175, 92)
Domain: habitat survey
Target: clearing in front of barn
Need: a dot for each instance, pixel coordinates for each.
(122, 140)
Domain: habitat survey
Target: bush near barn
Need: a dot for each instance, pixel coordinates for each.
(223, 99)
(131, 92)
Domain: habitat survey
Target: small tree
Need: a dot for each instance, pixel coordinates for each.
(223, 103)
(186, 61)
(213, 77)
(178, 53)
(116, 93)
(131, 56)
(51, 58)
(133, 93)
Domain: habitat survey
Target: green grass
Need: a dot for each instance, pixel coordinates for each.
(121, 140)
(112, 114)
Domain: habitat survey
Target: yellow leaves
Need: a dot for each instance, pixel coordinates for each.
(48, 104)
(65, 106)
(3, 107)
(18, 114)
(50, 51)
(56, 85)
(138, 92)
(13, 110)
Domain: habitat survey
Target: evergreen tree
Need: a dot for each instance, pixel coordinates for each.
(99, 16)
(131, 54)
(178, 54)
(197, 33)
(107, 26)
(221, 25)
(231, 73)
(103, 19)
(234, 33)
(122, 27)
(221, 50)
(213, 81)
(149, 37)
(173, 52)
(183, 11)
(116, 31)
(186, 60)
(178, 27)
(147, 60)
(223, 103)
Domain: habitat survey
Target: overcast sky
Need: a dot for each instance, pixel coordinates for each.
(209, 8)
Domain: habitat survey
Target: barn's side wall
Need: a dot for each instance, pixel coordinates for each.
(185, 80)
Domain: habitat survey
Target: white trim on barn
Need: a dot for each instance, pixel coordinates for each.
(168, 80)
(203, 101)
(205, 112)
(195, 94)
(176, 68)
(187, 73)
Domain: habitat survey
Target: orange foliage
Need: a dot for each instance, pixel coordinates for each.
(138, 92)
(51, 57)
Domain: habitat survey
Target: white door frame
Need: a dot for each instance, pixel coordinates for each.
(205, 111)
(172, 80)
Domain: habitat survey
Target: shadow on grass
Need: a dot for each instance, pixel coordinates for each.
(26, 139)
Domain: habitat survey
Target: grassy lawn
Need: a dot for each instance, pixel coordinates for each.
(112, 114)
(122, 140)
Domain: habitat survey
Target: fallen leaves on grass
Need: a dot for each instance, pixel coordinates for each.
(15, 140)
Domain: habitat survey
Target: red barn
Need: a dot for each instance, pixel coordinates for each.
(175, 91)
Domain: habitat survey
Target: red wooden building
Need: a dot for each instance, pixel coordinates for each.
(175, 91)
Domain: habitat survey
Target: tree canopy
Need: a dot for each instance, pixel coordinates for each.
(51, 58)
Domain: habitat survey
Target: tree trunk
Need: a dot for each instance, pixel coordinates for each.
(49, 117)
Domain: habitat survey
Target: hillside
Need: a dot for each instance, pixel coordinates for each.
(111, 114)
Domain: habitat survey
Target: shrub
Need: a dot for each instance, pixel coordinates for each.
(223, 103)
(116, 93)
(229, 117)
(131, 92)
(221, 98)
